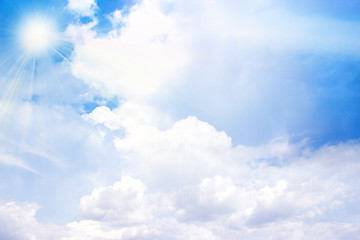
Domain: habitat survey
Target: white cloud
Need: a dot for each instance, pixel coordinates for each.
(233, 198)
(81, 33)
(82, 7)
(18, 222)
(188, 151)
(125, 204)
(104, 115)
(237, 191)
(212, 189)
(212, 57)
(192, 151)
(214, 209)
(161, 42)
(116, 18)
(145, 57)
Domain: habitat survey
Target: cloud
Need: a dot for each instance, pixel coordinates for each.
(123, 204)
(159, 41)
(116, 18)
(18, 222)
(229, 192)
(80, 33)
(157, 230)
(238, 191)
(191, 149)
(43, 152)
(213, 188)
(139, 61)
(213, 209)
(82, 7)
(205, 58)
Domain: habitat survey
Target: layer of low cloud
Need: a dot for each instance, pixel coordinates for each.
(188, 181)
(214, 190)
(278, 190)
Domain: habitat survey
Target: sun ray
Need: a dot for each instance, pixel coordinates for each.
(35, 38)
(11, 57)
(61, 55)
(9, 93)
(18, 62)
(84, 73)
(32, 77)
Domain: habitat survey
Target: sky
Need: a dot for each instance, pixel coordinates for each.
(174, 120)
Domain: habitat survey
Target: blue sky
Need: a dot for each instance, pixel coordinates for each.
(162, 119)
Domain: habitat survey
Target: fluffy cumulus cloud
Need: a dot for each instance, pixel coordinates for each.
(190, 182)
(214, 190)
(125, 203)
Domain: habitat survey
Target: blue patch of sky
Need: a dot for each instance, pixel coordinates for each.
(98, 101)
(105, 8)
(339, 9)
(335, 114)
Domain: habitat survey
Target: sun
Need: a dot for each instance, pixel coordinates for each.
(37, 35)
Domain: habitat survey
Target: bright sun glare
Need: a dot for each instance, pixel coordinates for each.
(37, 35)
